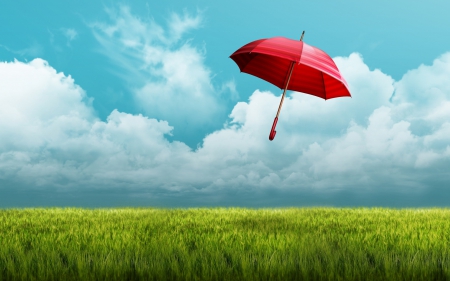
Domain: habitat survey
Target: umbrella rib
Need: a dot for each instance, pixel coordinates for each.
(243, 69)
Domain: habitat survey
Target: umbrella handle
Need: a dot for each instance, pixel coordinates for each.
(272, 131)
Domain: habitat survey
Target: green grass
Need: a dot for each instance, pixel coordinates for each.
(225, 244)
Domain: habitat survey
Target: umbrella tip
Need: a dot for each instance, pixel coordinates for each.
(303, 34)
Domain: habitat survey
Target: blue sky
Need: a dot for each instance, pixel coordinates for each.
(137, 103)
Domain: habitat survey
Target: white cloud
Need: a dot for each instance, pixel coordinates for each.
(50, 133)
(349, 143)
(178, 25)
(169, 78)
(362, 151)
(34, 94)
(424, 93)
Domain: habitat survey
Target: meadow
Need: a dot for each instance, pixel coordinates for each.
(225, 244)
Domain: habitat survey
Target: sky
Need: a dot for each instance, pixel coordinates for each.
(137, 103)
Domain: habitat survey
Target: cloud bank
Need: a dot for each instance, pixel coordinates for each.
(390, 136)
(51, 137)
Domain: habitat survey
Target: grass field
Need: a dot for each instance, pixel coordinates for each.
(225, 244)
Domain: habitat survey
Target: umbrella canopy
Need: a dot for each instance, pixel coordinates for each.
(314, 71)
(292, 65)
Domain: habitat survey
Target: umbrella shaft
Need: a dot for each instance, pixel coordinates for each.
(281, 102)
(285, 88)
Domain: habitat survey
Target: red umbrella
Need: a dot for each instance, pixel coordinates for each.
(292, 65)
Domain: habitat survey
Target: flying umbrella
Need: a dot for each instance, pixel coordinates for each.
(291, 65)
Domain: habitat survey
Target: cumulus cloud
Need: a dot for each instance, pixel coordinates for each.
(34, 94)
(358, 143)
